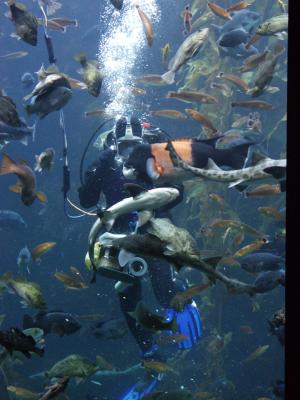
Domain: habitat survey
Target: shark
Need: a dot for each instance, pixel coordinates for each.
(263, 168)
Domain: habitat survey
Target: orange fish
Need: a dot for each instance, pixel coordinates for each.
(246, 329)
(219, 11)
(26, 185)
(234, 79)
(263, 190)
(187, 20)
(52, 25)
(42, 249)
(271, 212)
(238, 6)
(201, 118)
(147, 26)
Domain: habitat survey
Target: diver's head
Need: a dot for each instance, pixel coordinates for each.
(127, 136)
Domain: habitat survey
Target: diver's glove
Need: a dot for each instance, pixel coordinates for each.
(188, 322)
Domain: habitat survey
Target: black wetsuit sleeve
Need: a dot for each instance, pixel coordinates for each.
(90, 191)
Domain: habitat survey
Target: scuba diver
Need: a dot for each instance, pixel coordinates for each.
(105, 176)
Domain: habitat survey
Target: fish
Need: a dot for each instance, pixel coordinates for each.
(263, 105)
(52, 25)
(11, 219)
(13, 56)
(249, 248)
(29, 292)
(173, 338)
(151, 80)
(26, 24)
(187, 20)
(111, 329)
(253, 61)
(76, 366)
(272, 212)
(147, 25)
(157, 366)
(263, 190)
(24, 258)
(181, 299)
(173, 114)
(277, 326)
(191, 96)
(197, 116)
(273, 25)
(219, 11)
(256, 353)
(261, 261)
(243, 22)
(150, 321)
(64, 21)
(218, 199)
(51, 6)
(188, 49)
(27, 80)
(44, 161)
(154, 162)
(246, 330)
(118, 4)
(230, 223)
(23, 393)
(262, 168)
(235, 80)
(41, 249)
(53, 390)
(26, 185)
(165, 51)
(52, 93)
(15, 340)
(238, 6)
(264, 74)
(234, 38)
(56, 322)
(69, 281)
(268, 280)
(137, 91)
(92, 77)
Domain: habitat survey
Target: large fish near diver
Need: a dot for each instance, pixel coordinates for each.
(188, 49)
(142, 200)
(263, 168)
(152, 162)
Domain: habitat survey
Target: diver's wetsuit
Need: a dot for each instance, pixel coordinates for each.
(106, 176)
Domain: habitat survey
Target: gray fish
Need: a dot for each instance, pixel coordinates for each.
(26, 23)
(114, 328)
(273, 25)
(48, 102)
(21, 134)
(24, 258)
(234, 38)
(261, 261)
(44, 161)
(268, 280)
(11, 219)
(56, 322)
(188, 49)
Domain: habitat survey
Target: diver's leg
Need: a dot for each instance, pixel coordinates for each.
(128, 300)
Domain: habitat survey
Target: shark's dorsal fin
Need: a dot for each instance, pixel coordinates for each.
(212, 165)
(133, 189)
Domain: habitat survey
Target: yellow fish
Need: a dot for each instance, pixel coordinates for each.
(165, 51)
(23, 393)
(42, 249)
(256, 353)
(158, 366)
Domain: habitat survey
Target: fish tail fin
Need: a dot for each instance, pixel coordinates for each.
(24, 140)
(27, 322)
(76, 24)
(169, 77)
(33, 130)
(8, 166)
